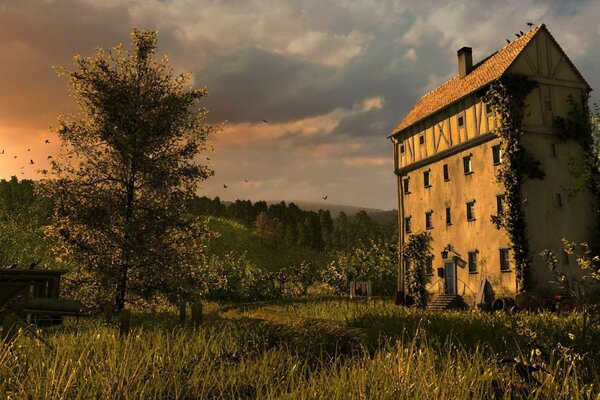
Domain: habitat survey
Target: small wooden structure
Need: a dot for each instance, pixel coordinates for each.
(35, 293)
(360, 288)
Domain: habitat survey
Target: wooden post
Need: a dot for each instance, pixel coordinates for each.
(107, 311)
(9, 329)
(182, 311)
(197, 314)
(125, 322)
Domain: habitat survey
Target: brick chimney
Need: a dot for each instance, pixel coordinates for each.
(465, 61)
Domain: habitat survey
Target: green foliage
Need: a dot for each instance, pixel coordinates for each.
(375, 261)
(507, 98)
(417, 251)
(120, 210)
(269, 229)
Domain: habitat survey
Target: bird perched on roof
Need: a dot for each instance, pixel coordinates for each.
(508, 41)
(530, 24)
(521, 32)
(517, 35)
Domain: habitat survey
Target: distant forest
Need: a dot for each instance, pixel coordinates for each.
(287, 223)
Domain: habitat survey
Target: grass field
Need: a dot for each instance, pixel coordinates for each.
(236, 237)
(305, 349)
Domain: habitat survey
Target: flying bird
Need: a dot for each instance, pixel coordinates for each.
(246, 180)
(224, 186)
(47, 141)
(49, 157)
(208, 158)
(265, 121)
(2, 152)
(324, 197)
(530, 24)
(15, 157)
(31, 162)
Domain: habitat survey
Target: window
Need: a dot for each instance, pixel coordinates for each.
(461, 120)
(473, 261)
(446, 173)
(488, 109)
(565, 257)
(497, 154)
(422, 139)
(405, 185)
(429, 220)
(558, 200)
(401, 149)
(448, 216)
(426, 180)
(548, 105)
(407, 227)
(554, 150)
(467, 166)
(471, 210)
(504, 264)
(429, 266)
(499, 204)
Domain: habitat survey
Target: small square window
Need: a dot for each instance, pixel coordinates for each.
(401, 149)
(407, 227)
(565, 257)
(446, 173)
(548, 105)
(429, 266)
(467, 165)
(500, 204)
(473, 261)
(461, 120)
(471, 211)
(426, 178)
(429, 220)
(504, 262)
(488, 109)
(554, 150)
(448, 216)
(558, 200)
(422, 139)
(406, 185)
(497, 154)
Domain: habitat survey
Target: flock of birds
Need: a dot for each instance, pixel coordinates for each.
(521, 33)
(31, 162)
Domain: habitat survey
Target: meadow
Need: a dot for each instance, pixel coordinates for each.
(322, 348)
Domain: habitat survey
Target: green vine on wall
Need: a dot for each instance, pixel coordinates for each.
(507, 97)
(417, 251)
(578, 126)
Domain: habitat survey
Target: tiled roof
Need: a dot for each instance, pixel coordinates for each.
(456, 88)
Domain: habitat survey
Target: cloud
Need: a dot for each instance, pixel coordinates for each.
(330, 49)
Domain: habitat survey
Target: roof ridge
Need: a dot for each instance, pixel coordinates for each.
(481, 74)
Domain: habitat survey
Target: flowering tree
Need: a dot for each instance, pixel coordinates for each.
(127, 173)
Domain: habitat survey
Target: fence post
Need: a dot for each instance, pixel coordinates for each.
(197, 314)
(182, 311)
(125, 322)
(9, 329)
(107, 311)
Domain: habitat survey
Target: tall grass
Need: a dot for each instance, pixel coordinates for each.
(245, 358)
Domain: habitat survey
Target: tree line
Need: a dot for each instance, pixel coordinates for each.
(286, 223)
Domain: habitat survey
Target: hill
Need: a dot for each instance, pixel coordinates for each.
(376, 214)
(236, 237)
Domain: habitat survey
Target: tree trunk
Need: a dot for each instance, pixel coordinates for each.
(122, 280)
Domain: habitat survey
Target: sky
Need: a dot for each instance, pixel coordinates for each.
(331, 77)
